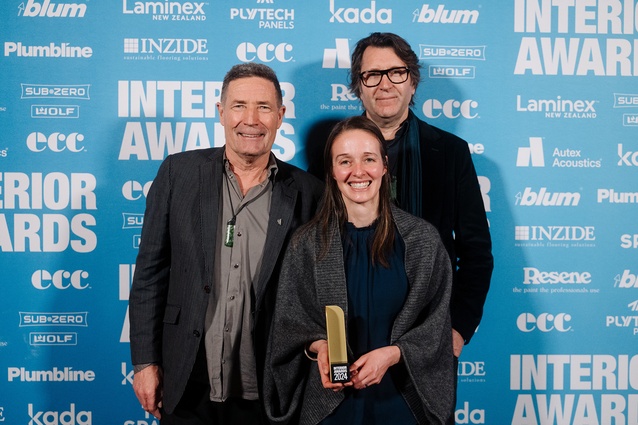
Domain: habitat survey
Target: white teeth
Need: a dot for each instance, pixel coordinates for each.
(362, 185)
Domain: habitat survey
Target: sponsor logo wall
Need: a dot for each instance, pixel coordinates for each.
(93, 95)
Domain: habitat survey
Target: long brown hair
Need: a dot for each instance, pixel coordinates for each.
(332, 204)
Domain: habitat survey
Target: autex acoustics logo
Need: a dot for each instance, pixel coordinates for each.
(534, 156)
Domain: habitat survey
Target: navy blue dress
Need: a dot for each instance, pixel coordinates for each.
(375, 297)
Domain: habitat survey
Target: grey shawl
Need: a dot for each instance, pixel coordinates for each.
(292, 389)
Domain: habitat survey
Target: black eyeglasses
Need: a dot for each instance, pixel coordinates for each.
(395, 75)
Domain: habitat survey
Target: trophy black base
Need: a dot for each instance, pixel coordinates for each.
(339, 373)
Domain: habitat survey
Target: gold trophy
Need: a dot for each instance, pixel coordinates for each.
(337, 347)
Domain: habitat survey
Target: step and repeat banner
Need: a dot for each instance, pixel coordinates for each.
(94, 94)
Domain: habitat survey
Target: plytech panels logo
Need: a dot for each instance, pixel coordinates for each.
(625, 321)
(267, 18)
(47, 9)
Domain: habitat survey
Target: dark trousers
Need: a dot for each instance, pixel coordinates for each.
(196, 408)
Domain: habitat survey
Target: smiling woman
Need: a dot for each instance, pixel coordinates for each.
(390, 274)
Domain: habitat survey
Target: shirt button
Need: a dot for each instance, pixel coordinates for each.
(207, 289)
(238, 233)
(232, 297)
(196, 334)
(236, 265)
(226, 329)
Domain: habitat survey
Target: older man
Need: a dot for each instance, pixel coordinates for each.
(215, 228)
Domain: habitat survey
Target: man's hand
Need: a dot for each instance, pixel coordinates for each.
(147, 384)
(457, 343)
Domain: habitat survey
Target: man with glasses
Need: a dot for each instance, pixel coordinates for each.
(432, 172)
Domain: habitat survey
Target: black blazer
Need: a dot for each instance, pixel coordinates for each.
(174, 268)
(453, 203)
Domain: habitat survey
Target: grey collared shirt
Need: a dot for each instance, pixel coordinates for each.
(228, 340)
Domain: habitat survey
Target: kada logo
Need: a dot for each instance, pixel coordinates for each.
(628, 158)
(61, 279)
(544, 322)
(369, 15)
(532, 155)
(339, 57)
(51, 10)
(440, 15)
(467, 416)
(127, 374)
(265, 52)
(55, 142)
(67, 417)
(626, 280)
(452, 108)
(547, 199)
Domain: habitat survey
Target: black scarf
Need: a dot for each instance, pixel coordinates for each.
(405, 167)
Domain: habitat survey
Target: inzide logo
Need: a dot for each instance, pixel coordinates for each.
(51, 10)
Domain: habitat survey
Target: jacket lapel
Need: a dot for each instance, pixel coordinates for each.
(282, 207)
(210, 188)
